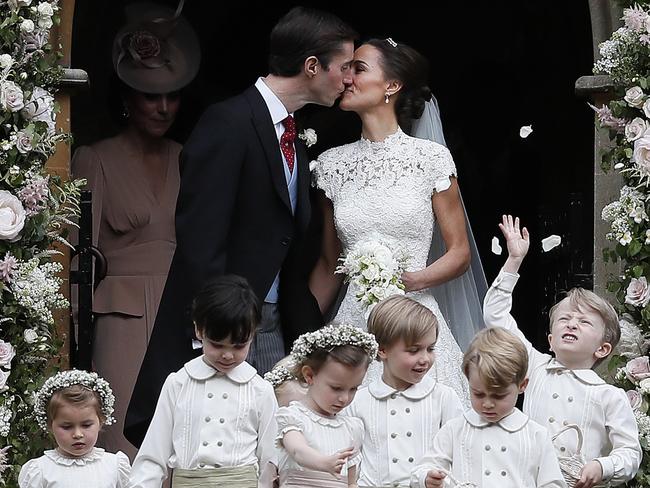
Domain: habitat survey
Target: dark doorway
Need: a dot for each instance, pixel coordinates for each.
(495, 66)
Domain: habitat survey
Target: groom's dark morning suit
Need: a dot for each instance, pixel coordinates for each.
(233, 216)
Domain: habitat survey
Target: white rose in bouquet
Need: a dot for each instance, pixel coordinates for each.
(12, 217)
(641, 154)
(644, 386)
(635, 399)
(30, 336)
(634, 97)
(6, 61)
(27, 26)
(635, 129)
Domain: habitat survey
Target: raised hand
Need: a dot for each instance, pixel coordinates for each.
(517, 240)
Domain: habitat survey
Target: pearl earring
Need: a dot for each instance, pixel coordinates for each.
(387, 96)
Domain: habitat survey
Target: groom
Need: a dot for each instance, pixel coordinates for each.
(243, 206)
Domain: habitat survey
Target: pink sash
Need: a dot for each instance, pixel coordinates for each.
(294, 478)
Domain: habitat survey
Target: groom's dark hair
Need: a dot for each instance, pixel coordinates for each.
(304, 32)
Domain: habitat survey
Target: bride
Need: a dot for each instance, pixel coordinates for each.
(398, 187)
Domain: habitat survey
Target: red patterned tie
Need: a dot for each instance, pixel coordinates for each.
(286, 141)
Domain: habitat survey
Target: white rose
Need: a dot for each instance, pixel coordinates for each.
(27, 26)
(384, 257)
(6, 61)
(378, 291)
(40, 108)
(646, 107)
(16, 4)
(11, 96)
(641, 154)
(7, 353)
(309, 136)
(12, 217)
(44, 9)
(30, 336)
(644, 386)
(635, 129)
(371, 273)
(635, 398)
(4, 376)
(634, 97)
(45, 22)
(638, 293)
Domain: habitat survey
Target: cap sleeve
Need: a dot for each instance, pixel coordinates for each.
(321, 176)
(440, 167)
(31, 475)
(123, 469)
(288, 419)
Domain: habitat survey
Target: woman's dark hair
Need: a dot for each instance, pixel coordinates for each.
(348, 355)
(304, 32)
(227, 307)
(403, 63)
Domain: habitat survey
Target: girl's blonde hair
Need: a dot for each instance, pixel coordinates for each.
(76, 396)
(499, 357)
(399, 317)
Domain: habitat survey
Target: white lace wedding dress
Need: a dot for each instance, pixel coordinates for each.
(384, 189)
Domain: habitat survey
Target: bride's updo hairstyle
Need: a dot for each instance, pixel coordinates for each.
(403, 63)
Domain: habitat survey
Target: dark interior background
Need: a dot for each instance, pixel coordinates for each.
(495, 66)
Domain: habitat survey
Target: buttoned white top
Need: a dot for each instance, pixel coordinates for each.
(98, 468)
(326, 435)
(207, 419)
(400, 427)
(557, 396)
(515, 452)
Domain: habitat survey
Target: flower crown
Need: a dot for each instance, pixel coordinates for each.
(279, 375)
(66, 379)
(332, 336)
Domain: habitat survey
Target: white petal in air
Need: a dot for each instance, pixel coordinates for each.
(496, 248)
(550, 242)
(312, 165)
(525, 131)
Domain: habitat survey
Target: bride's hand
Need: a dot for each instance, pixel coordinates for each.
(411, 281)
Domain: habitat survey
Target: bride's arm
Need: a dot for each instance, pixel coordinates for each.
(449, 213)
(323, 283)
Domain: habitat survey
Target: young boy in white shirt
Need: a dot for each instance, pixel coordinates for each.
(403, 410)
(214, 423)
(493, 445)
(566, 390)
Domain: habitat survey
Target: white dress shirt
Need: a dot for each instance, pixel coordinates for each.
(207, 419)
(515, 452)
(400, 427)
(557, 396)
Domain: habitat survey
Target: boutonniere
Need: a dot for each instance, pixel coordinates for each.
(309, 136)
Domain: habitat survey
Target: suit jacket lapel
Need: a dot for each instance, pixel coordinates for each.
(266, 133)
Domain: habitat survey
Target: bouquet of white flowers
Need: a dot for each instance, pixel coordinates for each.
(374, 269)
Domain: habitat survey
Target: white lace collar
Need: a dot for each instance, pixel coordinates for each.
(334, 421)
(588, 376)
(386, 142)
(201, 371)
(514, 422)
(94, 454)
(417, 391)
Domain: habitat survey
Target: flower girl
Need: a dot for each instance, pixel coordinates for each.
(318, 446)
(73, 405)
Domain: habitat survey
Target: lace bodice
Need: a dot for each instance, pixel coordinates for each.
(385, 188)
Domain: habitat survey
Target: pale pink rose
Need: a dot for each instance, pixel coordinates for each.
(635, 398)
(635, 129)
(11, 96)
(637, 369)
(12, 217)
(638, 293)
(7, 353)
(634, 97)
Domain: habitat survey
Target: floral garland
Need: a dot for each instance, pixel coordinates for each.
(66, 379)
(35, 211)
(625, 57)
(278, 375)
(332, 336)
